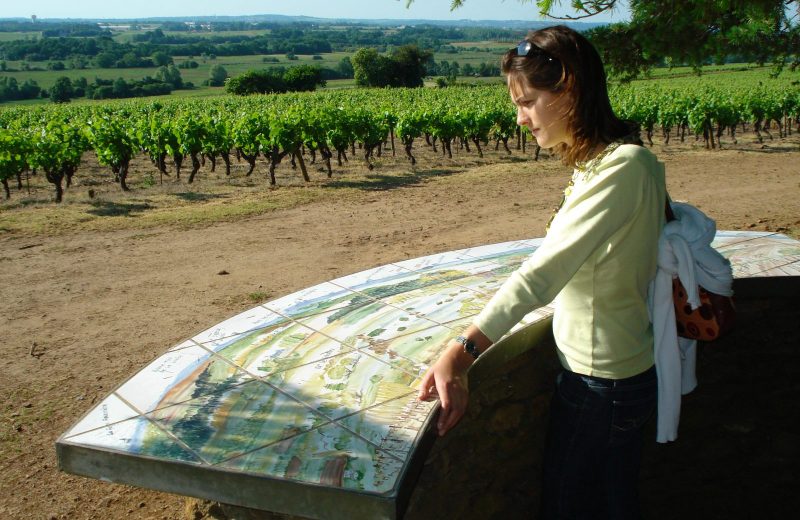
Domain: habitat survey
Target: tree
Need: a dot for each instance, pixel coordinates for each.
(257, 82)
(79, 86)
(161, 59)
(121, 88)
(61, 91)
(171, 75)
(370, 69)
(217, 76)
(345, 67)
(105, 60)
(691, 32)
(404, 68)
(303, 78)
(30, 89)
(409, 65)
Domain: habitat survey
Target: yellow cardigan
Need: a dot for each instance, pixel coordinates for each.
(596, 262)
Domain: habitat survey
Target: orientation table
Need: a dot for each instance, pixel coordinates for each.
(306, 405)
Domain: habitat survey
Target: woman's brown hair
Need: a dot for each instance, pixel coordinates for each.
(562, 60)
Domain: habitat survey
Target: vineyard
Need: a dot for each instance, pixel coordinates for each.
(331, 127)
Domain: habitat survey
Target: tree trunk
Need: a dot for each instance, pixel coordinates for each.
(123, 174)
(226, 158)
(505, 144)
(391, 136)
(536, 152)
(326, 158)
(524, 142)
(161, 164)
(5, 188)
(213, 159)
(478, 146)
(178, 160)
(55, 178)
(19, 181)
(303, 170)
(407, 145)
(195, 166)
(520, 139)
(367, 155)
(251, 160)
(274, 159)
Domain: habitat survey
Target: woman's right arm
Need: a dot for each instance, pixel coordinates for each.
(447, 378)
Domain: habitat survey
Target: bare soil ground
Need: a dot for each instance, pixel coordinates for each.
(94, 289)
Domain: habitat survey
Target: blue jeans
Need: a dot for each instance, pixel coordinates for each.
(594, 445)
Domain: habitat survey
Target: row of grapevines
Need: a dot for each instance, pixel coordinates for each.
(52, 139)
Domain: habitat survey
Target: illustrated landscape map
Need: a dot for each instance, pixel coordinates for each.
(319, 387)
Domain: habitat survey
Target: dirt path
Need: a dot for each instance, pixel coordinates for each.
(82, 312)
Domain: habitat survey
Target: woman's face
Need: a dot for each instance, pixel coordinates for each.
(542, 111)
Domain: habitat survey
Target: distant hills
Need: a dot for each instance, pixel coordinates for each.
(277, 18)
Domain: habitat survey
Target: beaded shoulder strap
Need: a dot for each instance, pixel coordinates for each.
(583, 171)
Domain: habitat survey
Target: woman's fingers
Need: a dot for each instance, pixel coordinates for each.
(428, 381)
(453, 406)
(447, 381)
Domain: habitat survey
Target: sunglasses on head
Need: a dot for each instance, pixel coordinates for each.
(525, 47)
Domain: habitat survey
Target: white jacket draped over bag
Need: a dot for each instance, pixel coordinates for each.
(684, 250)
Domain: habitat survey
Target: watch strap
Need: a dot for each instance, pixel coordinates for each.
(469, 346)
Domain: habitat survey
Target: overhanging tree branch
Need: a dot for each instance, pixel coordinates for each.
(692, 32)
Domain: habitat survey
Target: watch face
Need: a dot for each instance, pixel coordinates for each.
(469, 346)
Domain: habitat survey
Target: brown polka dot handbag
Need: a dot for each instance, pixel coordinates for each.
(714, 317)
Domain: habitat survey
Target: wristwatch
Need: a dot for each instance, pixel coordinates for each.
(469, 346)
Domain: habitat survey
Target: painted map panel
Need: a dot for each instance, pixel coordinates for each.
(332, 456)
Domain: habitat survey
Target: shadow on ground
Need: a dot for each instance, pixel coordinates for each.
(380, 182)
(191, 196)
(118, 209)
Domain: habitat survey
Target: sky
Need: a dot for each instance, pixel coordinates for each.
(425, 9)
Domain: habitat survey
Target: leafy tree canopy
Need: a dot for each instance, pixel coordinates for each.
(61, 91)
(217, 76)
(692, 32)
(404, 68)
(276, 79)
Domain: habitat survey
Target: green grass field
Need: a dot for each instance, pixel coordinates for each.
(11, 36)
(473, 53)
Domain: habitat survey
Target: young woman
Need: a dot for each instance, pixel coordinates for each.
(596, 261)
